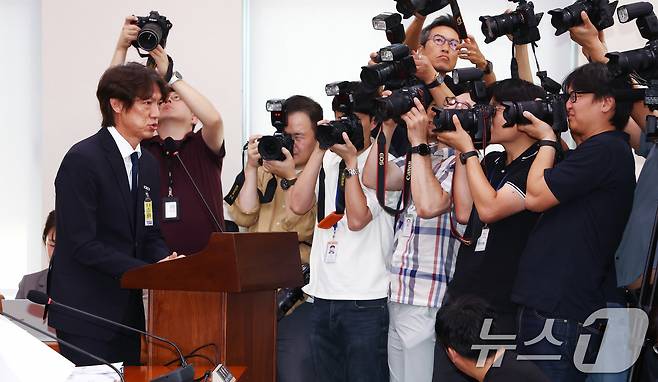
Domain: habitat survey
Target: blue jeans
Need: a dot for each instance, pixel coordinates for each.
(349, 340)
(531, 325)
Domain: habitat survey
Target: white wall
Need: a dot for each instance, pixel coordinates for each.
(21, 157)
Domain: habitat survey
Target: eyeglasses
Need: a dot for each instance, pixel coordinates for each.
(439, 40)
(171, 98)
(573, 95)
(452, 102)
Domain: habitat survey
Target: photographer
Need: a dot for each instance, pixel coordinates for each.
(187, 230)
(586, 200)
(422, 240)
(490, 198)
(349, 276)
(294, 361)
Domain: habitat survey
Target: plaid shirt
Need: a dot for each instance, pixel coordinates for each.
(424, 256)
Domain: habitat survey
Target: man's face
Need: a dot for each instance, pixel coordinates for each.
(443, 57)
(141, 120)
(174, 109)
(300, 128)
(50, 242)
(500, 134)
(585, 112)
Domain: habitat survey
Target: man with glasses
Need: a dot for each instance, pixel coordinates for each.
(489, 197)
(186, 224)
(424, 251)
(585, 199)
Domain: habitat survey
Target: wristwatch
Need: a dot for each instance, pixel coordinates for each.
(548, 142)
(350, 172)
(463, 157)
(175, 76)
(287, 183)
(422, 149)
(438, 80)
(488, 68)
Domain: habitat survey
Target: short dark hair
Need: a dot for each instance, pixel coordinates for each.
(514, 90)
(50, 224)
(441, 21)
(300, 103)
(126, 83)
(459, 322)
(596, 78)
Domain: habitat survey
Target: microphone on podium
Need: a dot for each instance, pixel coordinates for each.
(62, 342)
(183, 374)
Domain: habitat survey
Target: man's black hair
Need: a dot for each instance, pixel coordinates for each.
(300, 103)
(459, 323)
(441, 21)
(514, 90)
(596, 78)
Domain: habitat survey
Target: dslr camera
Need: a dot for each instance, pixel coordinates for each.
(154, 30)
(269, 146)
(408, 7)
(643, 61)
(600, 12)
(401, 101)
(331, 133)
(396, 68)
(552, 110)
(521, 24)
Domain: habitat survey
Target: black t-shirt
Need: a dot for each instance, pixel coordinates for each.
(490, 273)
(512, 369)
(569, 254)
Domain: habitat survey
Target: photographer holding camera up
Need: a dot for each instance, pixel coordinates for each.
(351, 246)
(490, 198)
(586, 200)
(294, 361)
(186, 224)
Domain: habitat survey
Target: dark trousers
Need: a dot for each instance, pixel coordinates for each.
(122, 348)
(532, 323)
(349, 340)
(294, 362)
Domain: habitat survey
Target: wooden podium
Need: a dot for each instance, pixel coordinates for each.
(229, 303)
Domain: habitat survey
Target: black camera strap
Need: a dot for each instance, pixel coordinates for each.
(264, 198)
(381, 178)
(320, 213)
(340, 192)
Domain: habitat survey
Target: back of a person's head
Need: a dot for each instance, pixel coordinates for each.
(126, 83)
(48, 226)
(459, 323)
(597, 79)
(441, 21)
(300, 103)
(514, 90)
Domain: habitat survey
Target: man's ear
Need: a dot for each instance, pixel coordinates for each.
(608, 104)
(452, 354)
(117, 105)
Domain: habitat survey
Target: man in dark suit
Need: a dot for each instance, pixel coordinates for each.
(107, 206)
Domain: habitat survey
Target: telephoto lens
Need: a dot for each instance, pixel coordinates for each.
(600, 13)
(269, 146)
(443, 120)
(521, 24)
(331, 133)
(377, 75)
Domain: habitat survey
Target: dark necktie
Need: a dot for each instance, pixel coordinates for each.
(134, 158)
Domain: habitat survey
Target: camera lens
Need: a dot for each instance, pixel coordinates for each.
(149, 37)
(269, 147)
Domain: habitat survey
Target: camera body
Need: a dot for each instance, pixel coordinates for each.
(552, 110)
(521, 23)
(154, 30)
(392, 74)
(600, 12)
(392, 24)
(424, 7)
(269, 146)
(331, 133)
(476, 121)
(401, 101)
(287, 297)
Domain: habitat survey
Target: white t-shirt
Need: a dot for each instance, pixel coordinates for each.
(360, 269)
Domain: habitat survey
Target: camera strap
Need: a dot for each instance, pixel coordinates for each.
(264, 198)
(382, 160)
(333, 218)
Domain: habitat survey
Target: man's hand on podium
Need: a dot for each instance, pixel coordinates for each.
(173, 256)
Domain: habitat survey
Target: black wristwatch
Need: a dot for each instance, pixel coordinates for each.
(287, 183)
(548, 142)
(422, 149)
(463, 157)
(438, 80)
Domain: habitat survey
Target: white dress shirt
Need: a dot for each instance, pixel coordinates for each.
(126, 150)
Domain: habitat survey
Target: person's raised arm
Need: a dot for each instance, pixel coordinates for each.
(356, 205)
(469, 50)
(429, 197)
(129, 32)
(590, 39)
(248, 201)
(301, 196)
(412, 34)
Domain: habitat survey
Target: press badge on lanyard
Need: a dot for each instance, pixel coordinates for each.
(408, 225)
(148, 208)
(482, 240)
(332, 249)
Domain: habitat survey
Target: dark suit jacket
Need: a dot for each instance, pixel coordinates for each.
(33, 281)
(101, 235)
